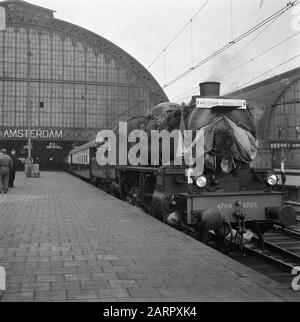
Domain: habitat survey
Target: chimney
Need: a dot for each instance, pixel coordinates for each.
(209, 89)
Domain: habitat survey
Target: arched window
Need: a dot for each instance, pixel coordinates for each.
(284, 122)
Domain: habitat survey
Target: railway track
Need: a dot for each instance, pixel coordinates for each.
(281, 247)
(280, 254)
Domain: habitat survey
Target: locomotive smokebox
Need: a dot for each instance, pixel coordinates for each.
(209, 89)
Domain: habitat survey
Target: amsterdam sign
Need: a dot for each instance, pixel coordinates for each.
(35, 134)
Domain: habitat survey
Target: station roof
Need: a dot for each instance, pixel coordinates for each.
(24, 13)
(15, 4)
(262, 96)
(266, 92)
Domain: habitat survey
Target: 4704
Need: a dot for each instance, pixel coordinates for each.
(246, 204)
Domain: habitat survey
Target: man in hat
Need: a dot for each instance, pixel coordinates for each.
(5, 166)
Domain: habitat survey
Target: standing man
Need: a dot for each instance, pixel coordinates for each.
(282, 166)
(12, 171)
(5, 166)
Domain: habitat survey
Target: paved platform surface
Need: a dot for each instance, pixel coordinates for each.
(62, 239)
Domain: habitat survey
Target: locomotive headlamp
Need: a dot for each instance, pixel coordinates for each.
(272, 179)
(201, 182)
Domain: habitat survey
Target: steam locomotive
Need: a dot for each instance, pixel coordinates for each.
(220, 192)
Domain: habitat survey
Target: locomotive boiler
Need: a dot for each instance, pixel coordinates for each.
(219, 192)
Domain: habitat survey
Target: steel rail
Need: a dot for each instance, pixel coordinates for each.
(270, 252)
(289, 231)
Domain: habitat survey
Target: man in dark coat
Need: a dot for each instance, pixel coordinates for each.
(5, 166)
(12, 171)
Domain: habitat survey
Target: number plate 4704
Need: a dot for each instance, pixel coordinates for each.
(229, 205)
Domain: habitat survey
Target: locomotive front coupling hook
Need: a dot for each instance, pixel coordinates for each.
(241, 229)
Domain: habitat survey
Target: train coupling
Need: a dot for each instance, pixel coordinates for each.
(240, 229)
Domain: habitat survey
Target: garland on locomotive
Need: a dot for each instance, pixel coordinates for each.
(223, 193)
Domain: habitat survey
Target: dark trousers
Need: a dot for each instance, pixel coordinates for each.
(12, 175)
(4, 181)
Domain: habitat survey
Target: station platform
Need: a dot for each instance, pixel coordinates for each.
(62, 239)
